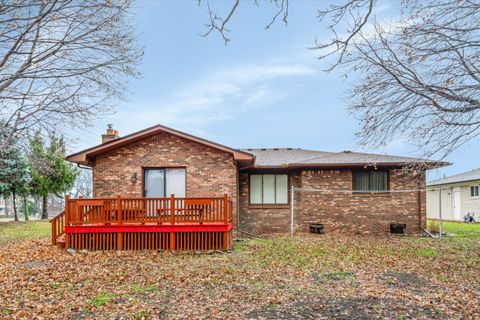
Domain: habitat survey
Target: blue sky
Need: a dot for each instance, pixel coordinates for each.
(265, 89)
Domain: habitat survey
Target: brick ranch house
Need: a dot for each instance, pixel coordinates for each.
(356, 196)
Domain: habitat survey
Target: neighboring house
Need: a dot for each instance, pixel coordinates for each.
(160, 161)
(3, 207)
(460, 196)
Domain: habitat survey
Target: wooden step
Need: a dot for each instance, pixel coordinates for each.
(61, 241)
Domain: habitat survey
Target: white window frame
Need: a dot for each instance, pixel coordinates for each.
(262, 203)
(473, 188)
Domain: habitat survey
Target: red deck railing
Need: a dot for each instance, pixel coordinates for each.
(146, 223)
(58, 226)
(170, 210)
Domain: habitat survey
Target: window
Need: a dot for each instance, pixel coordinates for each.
(159, 183)
(473, 191)
(370, 181)
(268, 189)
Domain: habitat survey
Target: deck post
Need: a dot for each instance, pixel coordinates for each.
(172, 221)
(119, 241)
(225, 240)
(119, 209)
(67, 198)
(172, 208)
(225, 212)
(225, 207)
(144, 209)
(67, 220)
(54, 231)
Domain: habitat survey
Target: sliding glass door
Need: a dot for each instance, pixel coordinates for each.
(175, 182)
(159, 183)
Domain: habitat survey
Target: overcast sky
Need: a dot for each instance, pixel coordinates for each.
(265, 89)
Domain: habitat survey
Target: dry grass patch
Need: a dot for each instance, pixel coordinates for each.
(313, 276)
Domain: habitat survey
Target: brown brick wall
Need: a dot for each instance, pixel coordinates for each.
(361, 213)
(210, 172)
(339, 212)
(258, 219)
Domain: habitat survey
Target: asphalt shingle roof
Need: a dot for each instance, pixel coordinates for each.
(268, 157)
(461, 177)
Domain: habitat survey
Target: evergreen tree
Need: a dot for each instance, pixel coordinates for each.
(14, 175)
(50, 173)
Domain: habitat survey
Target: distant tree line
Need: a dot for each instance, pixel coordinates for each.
(39, 172)
(63, 63)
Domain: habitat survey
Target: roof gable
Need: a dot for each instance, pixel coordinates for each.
(84, 157)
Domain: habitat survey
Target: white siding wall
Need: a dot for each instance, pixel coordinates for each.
(467, 204)
(471, 205)
(447, 204)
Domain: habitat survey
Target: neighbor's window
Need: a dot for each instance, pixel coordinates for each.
(473, 191)
(370, 181)
(268, 189)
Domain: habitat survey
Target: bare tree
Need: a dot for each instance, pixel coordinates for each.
(416, 77)
(62, 62)
(420, 77)
(83, 184)
(218, 23)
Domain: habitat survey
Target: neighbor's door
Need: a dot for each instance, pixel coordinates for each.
(457, 203)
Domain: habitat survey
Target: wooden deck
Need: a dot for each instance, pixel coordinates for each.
(184, 224)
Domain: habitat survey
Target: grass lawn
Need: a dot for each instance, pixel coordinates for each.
(11, 231)
(313, 277)
(464, 230)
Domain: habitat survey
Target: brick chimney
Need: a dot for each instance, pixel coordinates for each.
(110, 135)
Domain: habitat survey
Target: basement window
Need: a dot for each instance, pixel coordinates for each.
(473, 191)
(370, 181)
(268, 189)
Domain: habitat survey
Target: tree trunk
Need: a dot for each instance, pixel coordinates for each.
(26, 209)
(15, 206)
(6, 206)
(44, 207)
(37, 205)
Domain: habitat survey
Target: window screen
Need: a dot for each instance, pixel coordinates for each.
(370, 181)
(268, 189)
(175, 182)
(256, 189)
(281, 190)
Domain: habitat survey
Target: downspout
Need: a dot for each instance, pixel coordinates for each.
(84, 167)
(292, 212)
(427, 232)
(419, 201)
(440, 226)
(238, 196)
(238, 200)
(247, 167)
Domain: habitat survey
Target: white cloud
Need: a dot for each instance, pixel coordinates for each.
(382, 8)
(221, 95)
